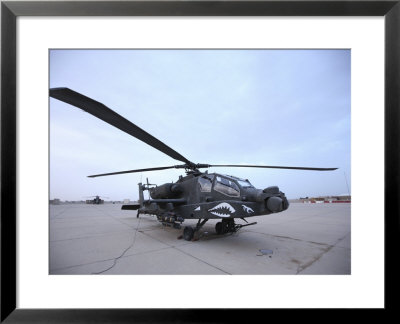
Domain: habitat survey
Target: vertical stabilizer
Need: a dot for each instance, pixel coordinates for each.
(141, 196)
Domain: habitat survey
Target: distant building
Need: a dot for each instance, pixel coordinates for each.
(55, 201)
(327, 199)
(127, 201)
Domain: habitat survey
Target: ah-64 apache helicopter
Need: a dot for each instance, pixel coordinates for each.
(198, 195)
(96, 201)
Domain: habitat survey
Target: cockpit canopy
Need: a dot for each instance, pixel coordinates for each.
(227, 185)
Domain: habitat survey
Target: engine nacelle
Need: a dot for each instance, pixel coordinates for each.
(165, 191)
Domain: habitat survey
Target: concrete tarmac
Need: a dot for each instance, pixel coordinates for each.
(103, 239)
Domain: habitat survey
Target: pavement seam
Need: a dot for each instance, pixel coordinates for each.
(202, 261)
(301, 268)
(90, 236)
(176, 248)
(60, 213)
(290, 238)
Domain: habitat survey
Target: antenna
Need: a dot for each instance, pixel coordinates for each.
(347, 184)
(148, 187)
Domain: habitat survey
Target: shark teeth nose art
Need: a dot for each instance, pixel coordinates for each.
(222, 210)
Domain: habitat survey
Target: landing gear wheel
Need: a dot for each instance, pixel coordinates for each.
(188, 233)
(219, 228)
(226, 226)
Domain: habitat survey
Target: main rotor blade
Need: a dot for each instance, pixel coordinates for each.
(104, 113)
(271, 167)
(132, 171)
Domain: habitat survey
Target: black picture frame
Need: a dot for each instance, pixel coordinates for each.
(10, 10)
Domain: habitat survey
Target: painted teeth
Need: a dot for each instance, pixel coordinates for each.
(223, 205)
(220, 215)
(222, 210)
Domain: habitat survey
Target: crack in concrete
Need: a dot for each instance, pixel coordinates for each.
(119, 257)
(109, 259)
(123, 253)
(301, 268)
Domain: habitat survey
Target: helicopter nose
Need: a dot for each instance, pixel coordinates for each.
(274, 204)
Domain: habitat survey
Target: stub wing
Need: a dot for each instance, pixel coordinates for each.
(131, 207)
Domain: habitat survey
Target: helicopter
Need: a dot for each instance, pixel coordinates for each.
(197, 195)
(96, 201)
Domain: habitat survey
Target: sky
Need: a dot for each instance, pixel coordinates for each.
(266, 107)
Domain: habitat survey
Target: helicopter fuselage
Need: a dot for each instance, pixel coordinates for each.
(212, 196)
